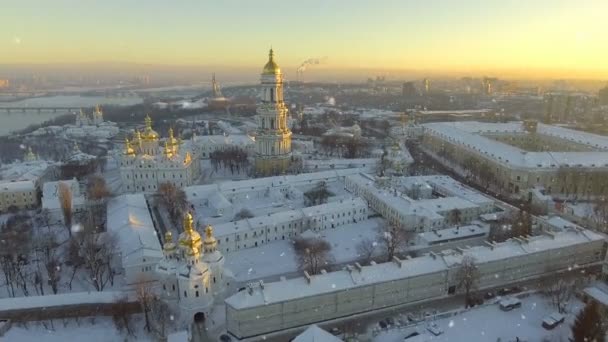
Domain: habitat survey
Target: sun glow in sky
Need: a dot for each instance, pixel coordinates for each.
(566, 37)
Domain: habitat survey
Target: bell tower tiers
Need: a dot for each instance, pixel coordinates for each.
(273, 139)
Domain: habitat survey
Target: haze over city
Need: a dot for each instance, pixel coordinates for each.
(532, 39)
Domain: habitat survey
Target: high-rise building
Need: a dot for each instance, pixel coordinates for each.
(273, 139)
(409, 90)
(603, 96)
(426, 84)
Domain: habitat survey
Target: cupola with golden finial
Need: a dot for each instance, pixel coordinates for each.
(271, 67)
(210, 242)
(149, 134)
(190, 239)
(129, 150)
(169, 247)
(30, 156)
(172, 143)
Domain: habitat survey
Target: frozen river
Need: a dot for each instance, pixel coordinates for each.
(17, 120)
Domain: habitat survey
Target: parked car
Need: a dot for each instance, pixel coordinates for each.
(509, 304)
(390, 321)
(335, 331)
(410, 317)
(411, 336)
(489, 295)
(553, 320)
(434, 329)
(504, 291)
(225, 338)
(382, 324)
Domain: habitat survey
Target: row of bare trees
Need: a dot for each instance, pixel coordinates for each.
(174, 200)
(31, 261)
(234, 158)
(350, 148)
(318, 194)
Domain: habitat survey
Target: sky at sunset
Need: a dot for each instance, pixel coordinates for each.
(566, 38)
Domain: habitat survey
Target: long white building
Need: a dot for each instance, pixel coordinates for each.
(524, 155)
(263, 308)
(257, 231)
(138, 248)
(422, 214)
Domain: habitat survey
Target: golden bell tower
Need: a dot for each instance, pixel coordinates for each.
(273, 139)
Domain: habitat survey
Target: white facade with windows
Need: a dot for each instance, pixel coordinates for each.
(144, 165)
(523, 155)
(286, 225)
(18, 194)
(419, 214)
(191, 273)
(263, 308)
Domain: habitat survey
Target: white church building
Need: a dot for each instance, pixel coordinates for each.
(144, 165)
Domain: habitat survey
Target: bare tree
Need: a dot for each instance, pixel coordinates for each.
(73, 259)
(160, 317)
(318, 195)
(64, 194)
(456, 216)
(121, 315)
(393, 238)
(95, 249)
(312, 254)
(45, 248)
(366, 249)
(15, 249)
(174, 199)
(467, 277)
(243, 214)
(145, 297)
(559, 288)
(97, 198)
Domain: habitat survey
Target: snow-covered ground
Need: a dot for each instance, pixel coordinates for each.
(277, 258)
(489, 323)
(99, 329)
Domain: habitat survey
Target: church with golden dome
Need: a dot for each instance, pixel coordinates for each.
(191, 273)
(273, 138)
(145, 162)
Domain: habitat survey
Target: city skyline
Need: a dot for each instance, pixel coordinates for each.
(560, 39)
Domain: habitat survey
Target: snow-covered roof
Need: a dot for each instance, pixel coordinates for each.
(27, 170)
(17, 186)
(454, 233)
(315, 334)
(245, 225)
(471, 134)
(129, 218)
(331, 282)
(359, 276)
(50, 194)
(63, 299)
(232, 139)
(598, 292)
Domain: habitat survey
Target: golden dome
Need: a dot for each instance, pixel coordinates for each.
(209, 238)
(271, 68)
(190, 238)
(149, 133)
(129, 151)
